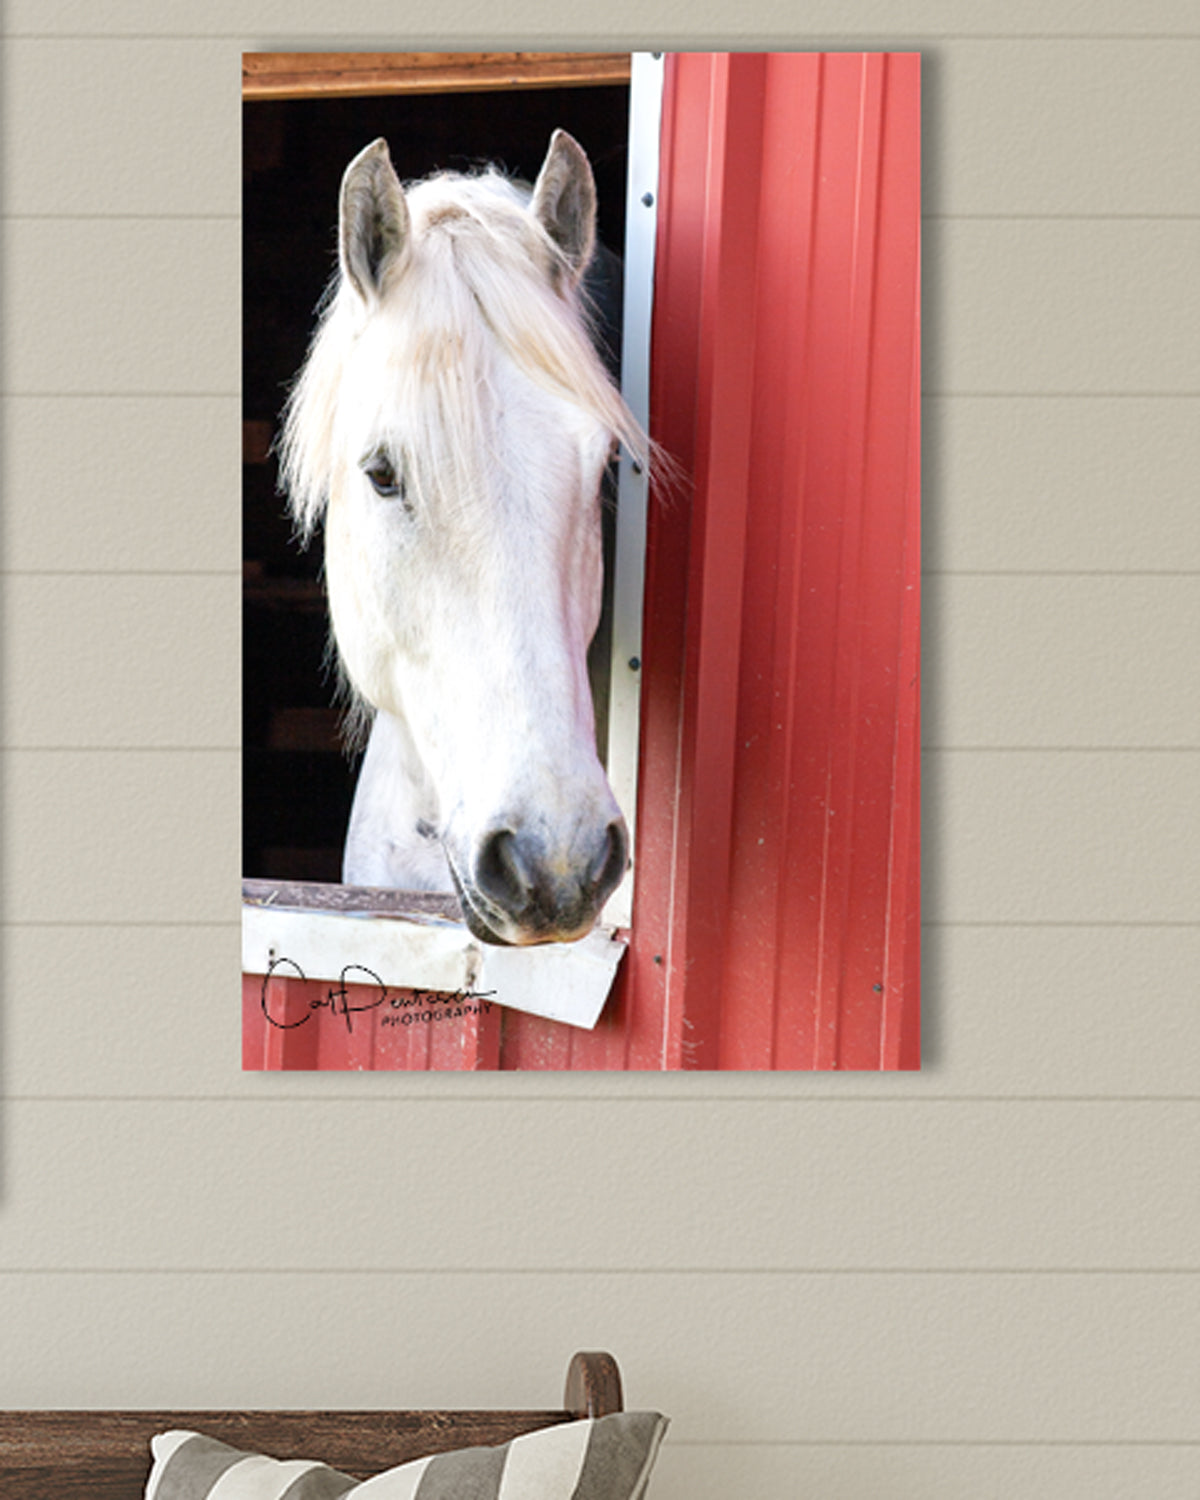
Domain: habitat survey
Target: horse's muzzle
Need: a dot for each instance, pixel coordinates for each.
(520, 891)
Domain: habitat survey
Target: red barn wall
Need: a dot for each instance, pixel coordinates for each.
(777, 900)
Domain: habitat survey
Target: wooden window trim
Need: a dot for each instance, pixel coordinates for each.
(319, 896)
(305, 75)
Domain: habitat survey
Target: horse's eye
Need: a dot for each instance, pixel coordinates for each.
(384, 479)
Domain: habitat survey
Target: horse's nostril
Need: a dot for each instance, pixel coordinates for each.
(500, 871)
(611, 860)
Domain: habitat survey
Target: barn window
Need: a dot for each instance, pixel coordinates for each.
(305, 116)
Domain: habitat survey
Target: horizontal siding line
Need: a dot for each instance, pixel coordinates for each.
(1066, 218)
(1048, 572)
(132, 218)
(233, 395)
(935, 1442)
(358, 42)
(750, 1443)
(342, 1272)
(233, 749)
(237, 749)
(221, 217)
(1060, 749)
(605, 1098)
(1011, 395)
(117, 395)
(1114, 924)
(120, 395)
(93, 749)
(294, 38)
(1094, 925)
(233, 573)
(236, 572)
(1059, 395)
(84, 924)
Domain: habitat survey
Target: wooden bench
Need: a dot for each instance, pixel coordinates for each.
(105, 1455)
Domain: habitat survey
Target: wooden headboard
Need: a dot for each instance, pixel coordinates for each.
(105, 1455)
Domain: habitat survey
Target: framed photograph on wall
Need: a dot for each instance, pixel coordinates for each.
(582, 561)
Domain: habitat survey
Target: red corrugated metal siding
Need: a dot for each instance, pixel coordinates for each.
(778, 859)
(776, 909)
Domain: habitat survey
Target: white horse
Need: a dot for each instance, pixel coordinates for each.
(452, 425)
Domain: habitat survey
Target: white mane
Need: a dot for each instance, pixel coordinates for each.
(483, 278)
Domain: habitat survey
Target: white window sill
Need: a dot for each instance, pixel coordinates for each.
(409, 941)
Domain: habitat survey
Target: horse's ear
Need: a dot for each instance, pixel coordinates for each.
(373, 228)
(564, 200)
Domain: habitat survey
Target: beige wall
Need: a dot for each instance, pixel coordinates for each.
(975, 1282)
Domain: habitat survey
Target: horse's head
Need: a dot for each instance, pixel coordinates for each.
(453, 424)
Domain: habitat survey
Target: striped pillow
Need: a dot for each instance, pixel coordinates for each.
(604, 1458)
